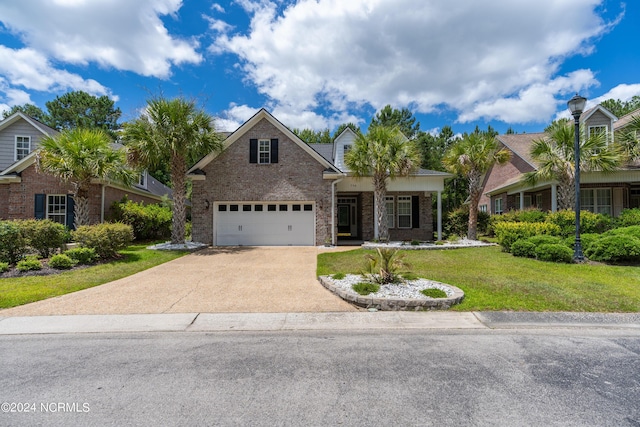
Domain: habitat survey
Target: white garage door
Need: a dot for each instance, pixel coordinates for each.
(264, 224)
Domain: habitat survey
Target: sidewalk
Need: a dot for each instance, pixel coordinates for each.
(361, 321)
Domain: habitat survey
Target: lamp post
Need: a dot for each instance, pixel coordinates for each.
(576, 106)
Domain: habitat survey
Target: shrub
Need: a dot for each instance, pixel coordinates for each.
(554, 252)
(338, 276)
(43, 235)
(589, 222)
(585, 239)
(509, 232)
(4, 266)
(366, 288)
(61, 262)
(615, 248)
(628, 217)
(523, 248)
(148, 221)
(13, 245)
(434, 293)
(631, 231)
(457, 222)
(527, 215)
(82, 255)
(106, 239)
(29, 264)
(383, 267)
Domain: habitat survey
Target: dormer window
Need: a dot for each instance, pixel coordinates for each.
(264, 151)
(142, 179)
(347, 148)
(599, 130)
(23, 147)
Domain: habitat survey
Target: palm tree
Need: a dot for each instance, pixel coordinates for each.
(628, 139)
(79, 156)
(176, 132)
(471, 157)
(555, 157)
(383, 153)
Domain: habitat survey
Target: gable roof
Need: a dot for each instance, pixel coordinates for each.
(520, 144)
(585, 116)
(44, 129)
(246, 126)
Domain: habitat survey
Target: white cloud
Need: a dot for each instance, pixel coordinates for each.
(232, 118)
(623, 92)
(491, 59)
(123, 34)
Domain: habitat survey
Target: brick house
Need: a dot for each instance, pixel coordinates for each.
(268, 187)
(25, 193)
(610, 193)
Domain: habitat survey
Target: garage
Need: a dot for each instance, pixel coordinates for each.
(264, 224)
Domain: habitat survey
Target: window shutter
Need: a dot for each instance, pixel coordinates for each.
(415, 212)
(39, 208)
(70, 212)
(274, 151)
(253, 151)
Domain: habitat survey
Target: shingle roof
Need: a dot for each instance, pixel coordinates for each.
(325, 150)
(626, 119)
(520, 144)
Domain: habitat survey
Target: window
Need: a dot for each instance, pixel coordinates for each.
(599, 130)
(23, 147)
(57, 208)
(271, 208)
(233, 208)
(539, 201)
(257, 208)
(264, 151)
(404, 211)
(308, 208)
(246, 208)
(596, 200)
(142, 180)
(296, 208)
(222, 208)
(527, 201)
(482, 208)
(283, 208)
(390, 212)
(498, 206)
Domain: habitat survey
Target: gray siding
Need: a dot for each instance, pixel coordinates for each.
(8, 141)
(598, 118)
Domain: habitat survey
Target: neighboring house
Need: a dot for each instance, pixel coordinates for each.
(609, 193)
(26, 193)
(268, 187)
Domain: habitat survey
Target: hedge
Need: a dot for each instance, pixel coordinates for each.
(509, 232)
(589, 222)
(106, 239)
(615, 248)
(43, 235)
(457, 222)
(148, 221)
(554, 252)
(13, 245)
(628, 217)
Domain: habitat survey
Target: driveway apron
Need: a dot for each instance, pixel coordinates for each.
(214, 280)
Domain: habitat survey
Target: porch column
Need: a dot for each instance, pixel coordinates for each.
(522, 200)
(439, 215)
(554, 197)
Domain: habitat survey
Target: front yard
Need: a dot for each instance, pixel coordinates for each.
(16, 291)
(494, 280)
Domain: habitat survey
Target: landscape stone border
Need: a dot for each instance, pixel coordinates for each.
(395, 304)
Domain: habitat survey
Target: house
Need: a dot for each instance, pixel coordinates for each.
(268, 187)
(26, 193)
(609, 193)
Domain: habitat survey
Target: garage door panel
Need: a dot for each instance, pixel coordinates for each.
(265, 228)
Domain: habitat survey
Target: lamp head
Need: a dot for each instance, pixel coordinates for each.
(576, 105)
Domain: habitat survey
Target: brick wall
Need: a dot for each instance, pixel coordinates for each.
(499, 174)
(230, 177)
(18, 199)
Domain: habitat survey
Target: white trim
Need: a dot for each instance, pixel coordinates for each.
(15, 146)
(439, 215)
(46, 207)
(495, 207)
(391, 199)
(405, 199)
(20, 115)
(263, 142)
(246, 126)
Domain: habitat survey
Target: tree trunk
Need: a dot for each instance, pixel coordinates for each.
(178, 178)
(380, 191)
(81, 209)
(566, 192)
(474, 198)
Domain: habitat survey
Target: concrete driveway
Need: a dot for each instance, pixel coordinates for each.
(214, 280)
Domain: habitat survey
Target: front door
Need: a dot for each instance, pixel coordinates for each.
(347, 217)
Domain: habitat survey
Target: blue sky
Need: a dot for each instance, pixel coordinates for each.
(319, 63)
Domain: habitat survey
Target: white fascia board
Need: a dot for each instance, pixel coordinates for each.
(415, 183)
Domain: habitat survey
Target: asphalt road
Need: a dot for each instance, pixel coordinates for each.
(585, 377)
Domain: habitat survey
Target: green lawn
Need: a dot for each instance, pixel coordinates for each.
(23, 290)
(493, 280)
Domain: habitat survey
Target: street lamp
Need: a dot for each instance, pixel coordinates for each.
(576, 106)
